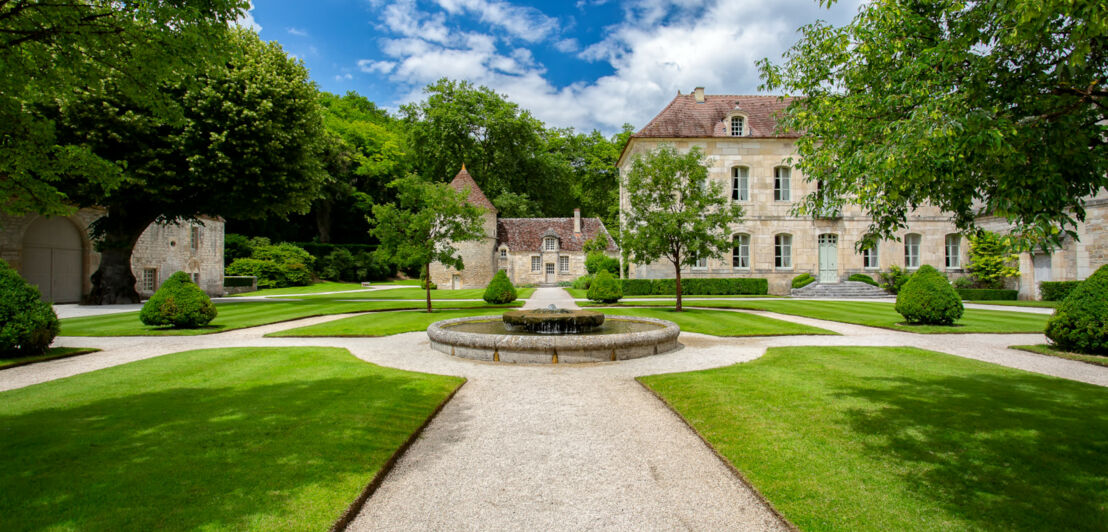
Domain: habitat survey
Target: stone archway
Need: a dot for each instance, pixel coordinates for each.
(52, 259)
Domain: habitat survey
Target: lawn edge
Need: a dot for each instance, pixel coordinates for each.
(83, 351)
(1059, 354)
(355, 507)
(727, 463)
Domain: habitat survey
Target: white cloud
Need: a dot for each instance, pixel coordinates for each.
(344, 77)
(567, 46)
(246, 19)
(371, 66)
(404, 18)
(298, 32)
(526, 23)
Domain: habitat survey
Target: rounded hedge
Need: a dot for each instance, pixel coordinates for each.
(1080, 324)
(180, 303)
(605, 288)
(802, 280)
(862, 278)
(27, 323)
(928, 299)
(500, 289)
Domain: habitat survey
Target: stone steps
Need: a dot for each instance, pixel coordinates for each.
(845, 289)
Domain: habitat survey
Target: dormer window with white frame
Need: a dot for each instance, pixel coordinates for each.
(738, 126)
(550, 243)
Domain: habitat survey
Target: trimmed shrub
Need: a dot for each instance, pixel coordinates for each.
(928, 299)
(500, 289)
(275, 266)
(1056, 290)
(269, 273)
(965, 282)
(597, 261)
(605, 288)
(583, 282)
(696, 286)
(637, 287)
(338, 266)
(1080, 324)
(987, 294)
(802, 280)
(238, 281)
(893, 280)
(862, 278)
(180, 303)
(27, 323)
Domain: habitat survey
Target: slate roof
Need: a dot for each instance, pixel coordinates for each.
(464, 181)
(684, 118)
(526, 234)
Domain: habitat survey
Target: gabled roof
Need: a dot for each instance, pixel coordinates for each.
(526, 234)
(685, 118)
(464, 181)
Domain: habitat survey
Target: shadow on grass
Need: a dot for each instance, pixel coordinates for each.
(278, 456)
(1003, 452)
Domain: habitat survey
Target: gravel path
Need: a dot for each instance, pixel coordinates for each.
(560, 447)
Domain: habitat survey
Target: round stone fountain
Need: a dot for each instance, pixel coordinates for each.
(553, 335)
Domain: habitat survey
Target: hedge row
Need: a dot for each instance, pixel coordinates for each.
(320, 249)
(695, 287)
(235, 281)
(1056, 290)
(802, 280)
(987, 294)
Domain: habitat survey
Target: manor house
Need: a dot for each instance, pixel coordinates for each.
(530, 250)
(748, 157)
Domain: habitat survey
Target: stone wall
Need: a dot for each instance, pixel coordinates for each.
(476, 256)
(518, 264)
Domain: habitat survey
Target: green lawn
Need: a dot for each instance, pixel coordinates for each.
(1049, 350)
(50, 354)
(1037, 304)
(417, 293)
(325, 286)
(882, 314)
(398, 282)
(220, 439)
(883, 438)
(579, 293)
(237, 315)
(716, 323)
(382, 324)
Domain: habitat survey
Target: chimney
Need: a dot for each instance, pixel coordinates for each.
(577, 221)
(699, 94)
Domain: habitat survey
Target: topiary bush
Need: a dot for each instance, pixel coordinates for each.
(180, 303)
(802, 280)
(605, 288)
(1080, 323)
(597, 261)
(893, 280)
(862, 278)
(1056, 290)
(583, 282)
(27, 323)
(928, 299)
(500, 290)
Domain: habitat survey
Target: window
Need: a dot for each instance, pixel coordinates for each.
(783, 251)
(149, 279)
(740, 252)
(550, 243)
(563, 264)
(782, 186)
(503, 254)
(536, 264)
(737, 123)
(870, 259)
(911, 251)
(953, 251)
(194, 239)
(740, 183)
(701, 264)
(196, 278)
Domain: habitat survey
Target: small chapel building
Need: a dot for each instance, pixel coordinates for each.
(539, 251)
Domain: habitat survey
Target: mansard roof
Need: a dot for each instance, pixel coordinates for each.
(684, 117)
(464, 181)
(526, 234)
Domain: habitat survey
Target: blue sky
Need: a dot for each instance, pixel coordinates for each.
(586, 64)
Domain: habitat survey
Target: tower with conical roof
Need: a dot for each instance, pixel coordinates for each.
(478, 256)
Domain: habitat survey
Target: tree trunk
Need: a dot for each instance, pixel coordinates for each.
(323, 219)
(427, 269)
(677, 270)
(114, 282)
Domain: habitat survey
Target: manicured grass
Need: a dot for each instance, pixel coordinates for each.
(325, 286)
(220, 439)
(237, 315)
(50, 354)
(579, 293)
(418, 293)
(382, 324)
(1037, 304)
(398, 282)
(1049, 350)
(884, 438)
(882, 314)
(721, 323)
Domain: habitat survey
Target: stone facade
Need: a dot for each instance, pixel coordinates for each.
(58, 255)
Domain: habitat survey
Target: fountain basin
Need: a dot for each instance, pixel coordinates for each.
(620, 338)
(553, 320)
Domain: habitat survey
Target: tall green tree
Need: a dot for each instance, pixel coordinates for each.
(675, 212)
(988, 107)
(247, 145)
(56, 51)
(424, 224)
(591, 161)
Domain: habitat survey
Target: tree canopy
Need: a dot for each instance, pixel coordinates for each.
(995, 107)
(675, 211)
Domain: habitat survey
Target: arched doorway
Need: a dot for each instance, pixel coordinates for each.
(829, 258)
(52, 259)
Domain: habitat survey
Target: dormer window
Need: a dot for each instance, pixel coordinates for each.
(738, 126)
(550, 243)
